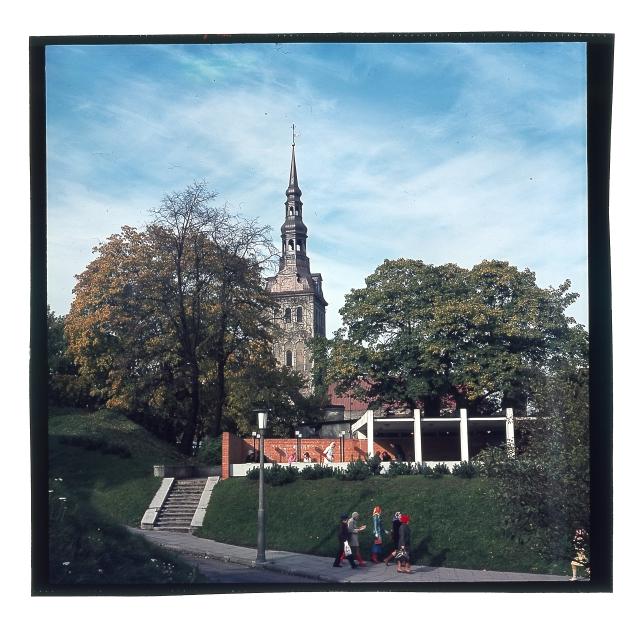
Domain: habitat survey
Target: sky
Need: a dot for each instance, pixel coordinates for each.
(443, 152)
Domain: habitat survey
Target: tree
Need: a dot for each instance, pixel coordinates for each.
(421, 333)
(543, 494)
(160, 312)
(259, 382)
(65, 386)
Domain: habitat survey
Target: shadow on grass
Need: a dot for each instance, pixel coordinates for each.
(323, 546)
(423, 554)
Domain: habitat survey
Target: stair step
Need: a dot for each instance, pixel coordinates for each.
(176, 529)
(180, 505)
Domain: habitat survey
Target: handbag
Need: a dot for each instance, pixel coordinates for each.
(401, 555)
(347, 549)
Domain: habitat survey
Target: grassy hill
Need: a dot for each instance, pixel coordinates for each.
(118, 487)
(100, 478)
(453, 521)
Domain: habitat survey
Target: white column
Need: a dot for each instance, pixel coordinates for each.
(370, 433)
(464, 436)
(510, 434)
(417, 436)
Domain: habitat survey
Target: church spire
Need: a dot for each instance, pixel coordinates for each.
(293, 188)
(294, 232)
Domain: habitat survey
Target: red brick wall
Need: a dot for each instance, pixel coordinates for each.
(236, 449)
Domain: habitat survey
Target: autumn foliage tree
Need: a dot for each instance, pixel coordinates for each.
(160, 313)
(421, 333)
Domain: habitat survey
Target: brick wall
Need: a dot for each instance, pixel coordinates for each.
(236, 449)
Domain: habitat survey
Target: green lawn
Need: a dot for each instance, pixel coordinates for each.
(453, 522)
(92, 494)
(117, 487)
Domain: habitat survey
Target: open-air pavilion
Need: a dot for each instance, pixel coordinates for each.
(436, 440)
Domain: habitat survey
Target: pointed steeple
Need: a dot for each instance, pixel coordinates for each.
(293, 175)
(293, 230)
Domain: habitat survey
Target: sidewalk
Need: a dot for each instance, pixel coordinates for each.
(321, 567)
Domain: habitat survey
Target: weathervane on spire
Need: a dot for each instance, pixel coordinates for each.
(293, 130)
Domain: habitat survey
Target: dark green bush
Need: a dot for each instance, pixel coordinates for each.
(317, 471)
(375, 464)
(275, 475)
(441, 469)
(399, 468)
(355, 471)
(424, 469)
(210, 451)
(465, 469)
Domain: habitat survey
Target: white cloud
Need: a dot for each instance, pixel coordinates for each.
(459, 186)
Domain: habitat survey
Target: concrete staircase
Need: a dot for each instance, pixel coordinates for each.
(180, 505)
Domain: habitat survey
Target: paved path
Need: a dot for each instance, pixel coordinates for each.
(221, 572)
(320, 568)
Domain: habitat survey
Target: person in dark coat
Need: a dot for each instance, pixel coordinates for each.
(343, 536)
(404, 546)
(395, 526)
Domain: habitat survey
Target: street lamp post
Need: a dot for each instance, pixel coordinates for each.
(260, 557)
(342, 445)
(298, 436)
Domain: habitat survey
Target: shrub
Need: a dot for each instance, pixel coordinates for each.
(400, 468)
(253, 474)
(465, 469)
(317, 471)
(276, 475)
(210, 451)
(423, 469)
(375, 464)
(489, 460)
(441, 469)
(356, 471)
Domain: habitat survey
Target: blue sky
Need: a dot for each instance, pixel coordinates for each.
(443, 152)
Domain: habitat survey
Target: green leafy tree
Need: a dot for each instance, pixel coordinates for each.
(417, 334)
(65, 386)
(259, 383)
(543, 493)
(160, 312)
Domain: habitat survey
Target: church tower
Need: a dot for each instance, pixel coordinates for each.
(301, 304)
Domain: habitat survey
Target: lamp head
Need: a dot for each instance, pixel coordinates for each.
(262, 420)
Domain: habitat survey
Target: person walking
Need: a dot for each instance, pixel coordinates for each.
(354, 529)
(327, 454)
(378, 530)
(344, 548)
(403, 557)
(581, 558)
(395, 527)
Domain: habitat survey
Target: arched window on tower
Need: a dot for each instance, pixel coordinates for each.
(297, 210)
(291, 242)
(299, 314)
(301, 367)
(291, 210)
(298, 247)
(289, 358)
(287, 315)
